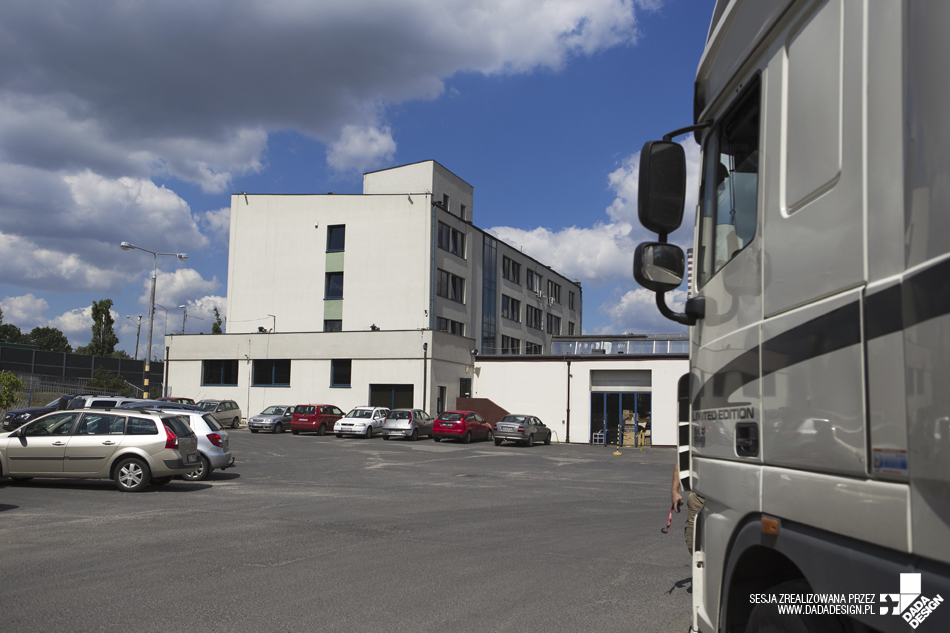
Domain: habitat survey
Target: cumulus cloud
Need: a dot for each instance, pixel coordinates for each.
(361, 148)
(24, 309)
(177, 287)
(76, 324)
(217, 224)
(635, 312)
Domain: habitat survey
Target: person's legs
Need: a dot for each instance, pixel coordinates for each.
(693, 504)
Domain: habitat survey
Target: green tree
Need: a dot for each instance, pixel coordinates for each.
(121, 353)
(103, 379)
(10, 386)
(49, 338)
(216, 326)
(10, 333)
(104, 339)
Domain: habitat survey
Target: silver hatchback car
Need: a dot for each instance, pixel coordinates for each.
(524, 429)
(227, 412)
(133, 448)
(275, 419)
(410, 423)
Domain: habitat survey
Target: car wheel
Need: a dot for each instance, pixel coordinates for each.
(236, 422)
(278, 428)
(131, 475)
(160, 481)
(414, 435)
(530, 441)
(547, 440)
(498, 441)
(369, 432)
(467, 438)
(294, 432)
(254, 430)
(203, 472)
(322, 430)
(437, 439)
(339, 435)
(385, 437)
(489, 436)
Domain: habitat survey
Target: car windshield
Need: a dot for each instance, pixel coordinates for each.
(360, 413)
(207, 406)
(304, 409)
(273, 411)
(400, 415)
(451, 417)
(513, 418)
(52, 403)
(212, 423)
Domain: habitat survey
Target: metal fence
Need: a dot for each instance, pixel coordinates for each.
(49, 375)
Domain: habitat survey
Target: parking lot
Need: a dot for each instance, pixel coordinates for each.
(328, 534)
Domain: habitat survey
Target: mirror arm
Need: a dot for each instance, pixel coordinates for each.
(695, 310)
(686, 130)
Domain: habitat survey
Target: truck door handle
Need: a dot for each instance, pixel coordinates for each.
(747, 439)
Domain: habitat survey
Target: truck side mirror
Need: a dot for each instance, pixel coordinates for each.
(662, 188)
(659, 267)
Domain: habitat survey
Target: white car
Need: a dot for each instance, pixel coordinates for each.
(363, 421)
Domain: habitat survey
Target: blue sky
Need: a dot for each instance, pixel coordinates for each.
(136, 122)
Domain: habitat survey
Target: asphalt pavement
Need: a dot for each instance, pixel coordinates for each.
(314, 533)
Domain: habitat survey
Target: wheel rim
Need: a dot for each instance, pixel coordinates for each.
(131, 474)
(197, 474)
(278, 428)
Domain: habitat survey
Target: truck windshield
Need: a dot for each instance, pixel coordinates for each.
(730, 186)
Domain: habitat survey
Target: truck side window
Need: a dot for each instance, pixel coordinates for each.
(730, 186)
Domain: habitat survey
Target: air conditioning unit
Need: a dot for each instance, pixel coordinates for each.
(539, 294)
(550, 301)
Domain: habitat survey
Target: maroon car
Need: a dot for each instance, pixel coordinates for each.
(461, 425)
(314, 418)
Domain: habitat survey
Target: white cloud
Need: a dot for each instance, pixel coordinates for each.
(217, 223)
(177, 287)
(77, 325)
(25, 309)
(635, 312)
(361, 148)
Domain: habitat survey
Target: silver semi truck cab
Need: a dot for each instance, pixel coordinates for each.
(819, 313)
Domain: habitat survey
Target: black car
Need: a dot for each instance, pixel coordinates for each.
(16, 418)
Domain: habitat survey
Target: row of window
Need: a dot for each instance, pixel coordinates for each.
(511, 270)
(511, 310)
(267, 373)
(451, 240)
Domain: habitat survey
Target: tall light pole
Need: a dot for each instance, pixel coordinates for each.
(138, 330)
(126, 246)
(184, 317)
(165, 323)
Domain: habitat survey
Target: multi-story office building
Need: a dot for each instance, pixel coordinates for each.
(385, 297)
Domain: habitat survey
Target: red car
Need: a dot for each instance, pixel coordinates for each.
(461, 425)
(314, 418)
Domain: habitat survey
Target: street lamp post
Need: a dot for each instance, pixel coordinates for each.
(165, 322)
(126, 246)
(138, 330)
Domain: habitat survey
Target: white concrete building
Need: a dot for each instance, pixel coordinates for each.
(378, 298)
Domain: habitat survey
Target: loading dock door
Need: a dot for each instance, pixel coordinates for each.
(391, 396)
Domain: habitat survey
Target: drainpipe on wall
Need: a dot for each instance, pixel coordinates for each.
(425, 374)
(165, 381)
(567, 433)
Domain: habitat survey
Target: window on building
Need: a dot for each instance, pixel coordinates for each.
(570, 299)
(462, 209)
(219, 372)
(450, 326)
(534, 281)
(445, 201)
(272, 373)
(340, 371)
(450, 286)
(570, 328)
(554, 291)
(451, 240)
(440, 403)
(333, 325)
(336, 237)
(534, 317)
(511, 270)
(554, 324)
(510, 308)
(465, 387)
(532, 348)
(510, 345)
(334, 286)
